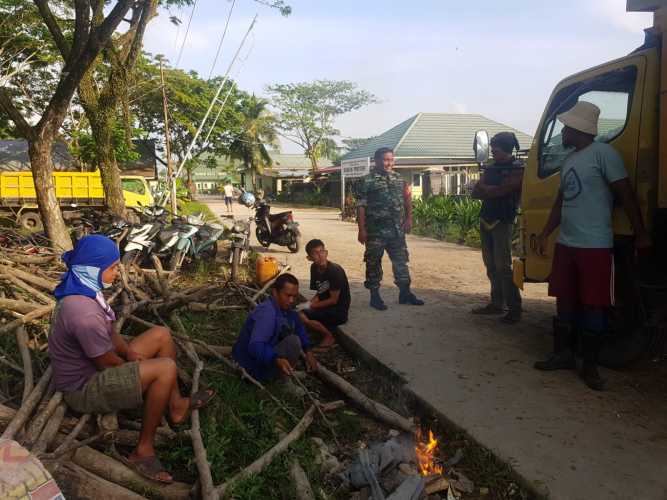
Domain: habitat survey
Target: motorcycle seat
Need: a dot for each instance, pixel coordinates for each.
(281, 215)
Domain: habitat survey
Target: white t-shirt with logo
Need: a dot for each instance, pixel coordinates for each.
(229, 190)
(587, 197)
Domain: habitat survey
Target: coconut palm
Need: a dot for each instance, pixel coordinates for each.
(258, 132)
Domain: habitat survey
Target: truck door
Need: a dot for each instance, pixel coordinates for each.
(617, 89)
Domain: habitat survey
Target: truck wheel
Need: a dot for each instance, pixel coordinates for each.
(31, 221)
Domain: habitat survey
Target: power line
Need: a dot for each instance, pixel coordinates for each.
(222, 39)
(187, 32)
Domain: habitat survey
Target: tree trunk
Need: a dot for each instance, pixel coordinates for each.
(102, 129)
(312, 156)
(39, 150)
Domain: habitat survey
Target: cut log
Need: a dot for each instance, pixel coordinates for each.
(19, 306)
(23, 414)
(28, 379)
(37, 424)
(77, 482)
(50, 430)
(262, 462)
(31, 316)
(33, 279)
(301, 484)
(377, 410)
(46, 299)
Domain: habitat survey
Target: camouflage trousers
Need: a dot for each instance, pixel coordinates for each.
(397, 250)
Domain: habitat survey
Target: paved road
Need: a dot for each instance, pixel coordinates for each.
(560, 436)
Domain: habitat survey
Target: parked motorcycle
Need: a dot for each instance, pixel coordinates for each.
(143, 237)
(280, 228)
(240, 238)
(197, 240)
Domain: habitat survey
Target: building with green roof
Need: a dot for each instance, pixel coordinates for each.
(434, 151)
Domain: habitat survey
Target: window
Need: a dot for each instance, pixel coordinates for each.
(416, 180)
(133, 186)
(611, 92)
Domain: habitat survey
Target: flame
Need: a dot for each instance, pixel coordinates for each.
(425, 451)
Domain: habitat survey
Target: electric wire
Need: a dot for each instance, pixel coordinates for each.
(222, 39)
(187, 32)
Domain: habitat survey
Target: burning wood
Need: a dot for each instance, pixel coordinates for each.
(425, 451)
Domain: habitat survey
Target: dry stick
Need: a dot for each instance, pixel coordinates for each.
(317, 403)
(28, 378)
(114, 296)
(37, 424)
(43, 283)
(28, 406)
(50, 430)
(6, 360)
(301, 484)
(31, 290)
(269, 283)
(258, 465)
(72, 435)
(203, 466)
(125, 280)
(376, 409)
(199, 307)
(28, 259)
(63, 451)
(31, 316)
(19, 306)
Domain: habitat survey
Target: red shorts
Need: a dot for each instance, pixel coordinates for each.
(583, 275)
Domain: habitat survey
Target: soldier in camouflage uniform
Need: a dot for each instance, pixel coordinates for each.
(384, 207)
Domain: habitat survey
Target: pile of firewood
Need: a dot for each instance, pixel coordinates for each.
(66, 444)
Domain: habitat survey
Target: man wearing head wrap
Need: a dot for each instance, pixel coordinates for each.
(499, 189)
(96, 370)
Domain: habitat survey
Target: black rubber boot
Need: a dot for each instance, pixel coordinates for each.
(589, 370)
(376, 300)
(405, 296)
(562, 357)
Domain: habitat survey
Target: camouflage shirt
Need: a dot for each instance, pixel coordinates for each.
(382, 195)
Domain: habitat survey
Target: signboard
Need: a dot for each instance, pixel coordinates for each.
(356, 168)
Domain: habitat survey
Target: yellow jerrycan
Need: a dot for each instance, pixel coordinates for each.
(265, 269)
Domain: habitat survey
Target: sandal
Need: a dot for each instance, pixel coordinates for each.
(197, 401)
(148, 467)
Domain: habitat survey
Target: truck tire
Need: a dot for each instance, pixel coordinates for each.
(31, 221)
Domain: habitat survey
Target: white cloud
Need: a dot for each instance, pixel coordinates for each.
(614, 11)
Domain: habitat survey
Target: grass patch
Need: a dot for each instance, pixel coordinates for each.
(196, 208)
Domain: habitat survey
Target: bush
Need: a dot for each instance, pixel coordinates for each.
(451, 218)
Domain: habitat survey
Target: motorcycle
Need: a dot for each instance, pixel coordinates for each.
(280, 228)
(240, 238)
(197, 240)
(142, 238)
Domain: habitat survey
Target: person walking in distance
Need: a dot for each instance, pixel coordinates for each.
(229, 196)
(582, 269)
(499, 189)
(384, 216)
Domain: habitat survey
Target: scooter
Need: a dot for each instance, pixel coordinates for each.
(197, 240)
(280, 228)
(240, 238)
(143, 238)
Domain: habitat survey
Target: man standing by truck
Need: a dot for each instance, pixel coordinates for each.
(384, 215)
(582, 274)
(499, 189)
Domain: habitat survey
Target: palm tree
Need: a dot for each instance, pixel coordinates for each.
(258, 132)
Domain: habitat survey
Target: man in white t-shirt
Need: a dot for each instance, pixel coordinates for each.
(582, 272)
(229, 196)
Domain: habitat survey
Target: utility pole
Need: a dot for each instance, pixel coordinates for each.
(171, 181)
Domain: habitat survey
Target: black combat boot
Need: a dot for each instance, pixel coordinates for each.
(589, 371)
(405, 296)
(376, 300)
(562, 357)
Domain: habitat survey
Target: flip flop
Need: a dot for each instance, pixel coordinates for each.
(148, 467)
(197, 401)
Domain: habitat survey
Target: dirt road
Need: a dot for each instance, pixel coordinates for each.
(564, 439)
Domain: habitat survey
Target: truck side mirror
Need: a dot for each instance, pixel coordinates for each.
(481, 146)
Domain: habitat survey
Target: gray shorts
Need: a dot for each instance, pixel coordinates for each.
(112, 389)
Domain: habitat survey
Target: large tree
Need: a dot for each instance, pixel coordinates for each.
(79, 44)
(258, 130)
(307, 111)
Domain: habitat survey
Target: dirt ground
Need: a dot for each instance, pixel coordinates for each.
(563, 439)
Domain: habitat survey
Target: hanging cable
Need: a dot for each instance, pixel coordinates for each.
(187, 32)
(213, 101)
(222, 39)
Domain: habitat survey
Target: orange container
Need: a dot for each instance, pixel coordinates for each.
(265, 269)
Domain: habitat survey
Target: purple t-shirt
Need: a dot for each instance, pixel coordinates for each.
(79, 332)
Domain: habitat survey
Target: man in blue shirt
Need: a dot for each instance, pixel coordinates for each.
(273, 337)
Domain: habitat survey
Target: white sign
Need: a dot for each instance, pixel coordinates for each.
(356, 168)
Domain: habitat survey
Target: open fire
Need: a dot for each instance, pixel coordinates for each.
(425, 451)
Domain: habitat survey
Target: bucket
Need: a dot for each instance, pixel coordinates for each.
(265, 269)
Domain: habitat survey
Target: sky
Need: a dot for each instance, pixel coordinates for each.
(497, 58)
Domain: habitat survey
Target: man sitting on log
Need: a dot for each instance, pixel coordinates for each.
(97, 371)
(329, 307)
(273, 337)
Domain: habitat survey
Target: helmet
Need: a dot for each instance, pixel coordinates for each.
(247, 199)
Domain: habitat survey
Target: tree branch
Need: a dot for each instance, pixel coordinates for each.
(54, 29)
(15, 115)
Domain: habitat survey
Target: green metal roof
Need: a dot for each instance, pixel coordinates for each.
(435, 135)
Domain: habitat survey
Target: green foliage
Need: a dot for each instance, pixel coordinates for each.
(352, 143)
(196, 208)
(83, 146)
(449, 218)
(308, 110)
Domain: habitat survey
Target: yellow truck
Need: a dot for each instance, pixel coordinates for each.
(631, 93)
(73, 189)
